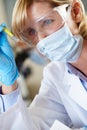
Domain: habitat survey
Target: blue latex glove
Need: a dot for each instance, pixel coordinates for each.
(8, 69)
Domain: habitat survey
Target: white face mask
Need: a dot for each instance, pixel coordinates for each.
(61, 46)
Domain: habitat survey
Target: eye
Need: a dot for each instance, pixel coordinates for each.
(31, 32)
(48, 21)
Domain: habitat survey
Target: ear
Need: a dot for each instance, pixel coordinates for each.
(76, 12)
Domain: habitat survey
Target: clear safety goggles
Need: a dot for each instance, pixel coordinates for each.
(44, 26)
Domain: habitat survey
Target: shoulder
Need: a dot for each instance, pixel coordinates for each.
(54, 68)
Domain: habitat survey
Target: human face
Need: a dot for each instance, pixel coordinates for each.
(43, 21)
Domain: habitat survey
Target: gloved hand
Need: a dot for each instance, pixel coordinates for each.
(8, 68)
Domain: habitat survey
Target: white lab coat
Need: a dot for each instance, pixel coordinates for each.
(61, 97)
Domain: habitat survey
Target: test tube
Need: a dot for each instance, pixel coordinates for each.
(9, 33)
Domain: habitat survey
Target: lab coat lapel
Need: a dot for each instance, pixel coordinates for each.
(63, 83)
(67, 102)
(72, 105)
(77, 91)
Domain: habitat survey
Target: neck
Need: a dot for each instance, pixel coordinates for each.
(81, 63)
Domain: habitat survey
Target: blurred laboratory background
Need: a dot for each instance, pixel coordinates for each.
(29, 62)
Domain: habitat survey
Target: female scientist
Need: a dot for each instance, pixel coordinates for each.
(58, 29)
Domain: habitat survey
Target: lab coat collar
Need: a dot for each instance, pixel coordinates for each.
(76, 72)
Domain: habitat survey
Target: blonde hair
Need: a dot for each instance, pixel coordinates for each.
(19, 16)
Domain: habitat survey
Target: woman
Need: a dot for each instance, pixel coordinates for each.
(58, 30)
